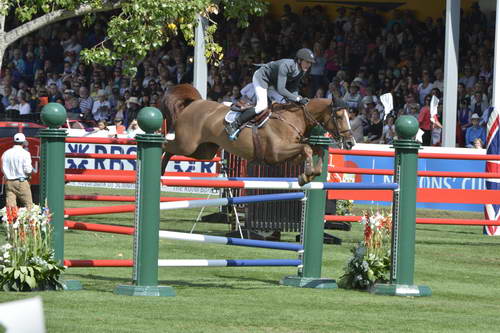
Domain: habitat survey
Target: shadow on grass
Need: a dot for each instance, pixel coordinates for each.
(173, 283)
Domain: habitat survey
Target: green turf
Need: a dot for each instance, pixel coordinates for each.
(460, 265)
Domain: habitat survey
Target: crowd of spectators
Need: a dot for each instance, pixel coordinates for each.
(361, 55)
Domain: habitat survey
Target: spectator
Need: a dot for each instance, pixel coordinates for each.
(353, 98)
(133, 107)
(474, 132)
(424, 121)
(425, 87)
(356, 125)
(86, 104)
(375, 128)
(478, 143)
(134, 129)
(389, 131)
(24, 107)
(101, 110)
(467, 78)
(17, 169)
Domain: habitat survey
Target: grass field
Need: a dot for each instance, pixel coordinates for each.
(461, 266)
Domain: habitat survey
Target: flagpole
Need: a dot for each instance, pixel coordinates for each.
(496, 68)
(492, 145)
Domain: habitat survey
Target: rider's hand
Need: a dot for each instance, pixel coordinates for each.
(304, 100)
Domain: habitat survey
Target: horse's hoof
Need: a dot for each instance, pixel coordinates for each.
(302, 180)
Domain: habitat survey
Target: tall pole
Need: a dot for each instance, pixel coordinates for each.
(200, 61)
(147, 214)
(52, 178)
(404, 214)
(452, 35)
(309, 275)
(496, 66)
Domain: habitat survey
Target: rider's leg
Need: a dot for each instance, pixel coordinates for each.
(233, 129)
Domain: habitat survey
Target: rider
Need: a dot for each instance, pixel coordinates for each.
(284, 75)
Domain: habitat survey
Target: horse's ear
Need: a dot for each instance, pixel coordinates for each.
(340, 103)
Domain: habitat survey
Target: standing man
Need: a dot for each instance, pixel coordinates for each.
(17, 169)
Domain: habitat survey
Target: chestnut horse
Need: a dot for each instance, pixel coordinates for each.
(199, 131)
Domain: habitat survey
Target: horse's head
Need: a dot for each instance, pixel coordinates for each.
(335, 120)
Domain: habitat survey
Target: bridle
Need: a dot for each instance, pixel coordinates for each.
(334, 118)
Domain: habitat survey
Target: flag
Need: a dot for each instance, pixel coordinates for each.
(492, 211)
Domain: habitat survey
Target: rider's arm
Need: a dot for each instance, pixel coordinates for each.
(281, 84)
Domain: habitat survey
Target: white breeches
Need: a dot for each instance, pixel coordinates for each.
(261, 94)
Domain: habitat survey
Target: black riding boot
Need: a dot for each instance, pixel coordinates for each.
(233, 129)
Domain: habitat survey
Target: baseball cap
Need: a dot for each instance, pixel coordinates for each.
(475, 116)
(19, 137)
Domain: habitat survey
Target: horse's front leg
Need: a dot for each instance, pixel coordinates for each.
(318, 168)
(296, 153)
(311, 170)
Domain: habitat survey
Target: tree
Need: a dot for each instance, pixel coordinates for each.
(136, 26)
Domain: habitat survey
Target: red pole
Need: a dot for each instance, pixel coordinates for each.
(340, 218)
(99, 210)
(99, 263)
(388, 172)
(124, 198)
(113, 229)
(420, 155)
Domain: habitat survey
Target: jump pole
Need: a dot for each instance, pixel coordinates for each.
(404, 214)
(147, 213)
(52, 178)
(309, 275)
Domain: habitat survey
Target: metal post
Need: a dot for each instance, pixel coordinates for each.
(310, 274)
(147, 215)
(52, 178)
(404, 214)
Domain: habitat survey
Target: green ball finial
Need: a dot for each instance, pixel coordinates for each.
(150, 119)
(53, 115)
(406, 127)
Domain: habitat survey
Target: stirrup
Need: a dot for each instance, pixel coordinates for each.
(233, 136)
(232, 132)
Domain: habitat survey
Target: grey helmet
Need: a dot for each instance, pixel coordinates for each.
(306, 54)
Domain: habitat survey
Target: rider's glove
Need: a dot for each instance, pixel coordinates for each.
(303, 100)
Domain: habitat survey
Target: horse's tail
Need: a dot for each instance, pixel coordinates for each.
(175, 100)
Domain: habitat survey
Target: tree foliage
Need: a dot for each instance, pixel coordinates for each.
(136, 26)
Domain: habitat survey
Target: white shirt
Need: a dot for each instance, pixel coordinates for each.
(16, 163)
(101, 110)
(24, 108)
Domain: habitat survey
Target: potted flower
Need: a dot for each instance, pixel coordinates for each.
(27, 258)
(371, 258)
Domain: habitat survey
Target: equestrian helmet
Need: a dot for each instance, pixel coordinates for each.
(306, 54)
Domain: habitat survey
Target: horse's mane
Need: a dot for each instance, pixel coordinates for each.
(180, 96)
(176, 99)
(290, 107)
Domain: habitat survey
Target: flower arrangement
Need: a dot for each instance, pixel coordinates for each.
(371, 258)
(27, 259)
(344, 207)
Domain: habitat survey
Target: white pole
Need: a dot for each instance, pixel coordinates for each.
(496, 67)
(200, 62)
(451, 72)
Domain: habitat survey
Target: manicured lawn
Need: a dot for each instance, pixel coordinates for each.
(460, 265)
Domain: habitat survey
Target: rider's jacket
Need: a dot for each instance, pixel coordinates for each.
(284, 75)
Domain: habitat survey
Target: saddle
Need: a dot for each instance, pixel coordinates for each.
(240, 106)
